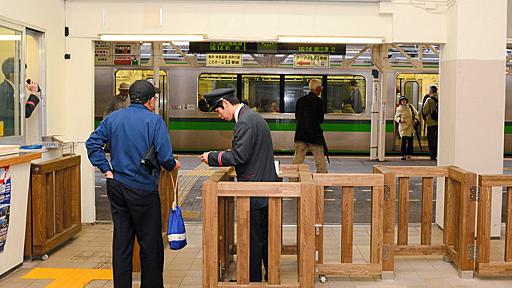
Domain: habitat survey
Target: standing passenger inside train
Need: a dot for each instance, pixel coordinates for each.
(119, 101)
(131, 188)
(431, 111)
(355, 95)
(253, 157)
(7, 97)
(407, 117)
(309, 114)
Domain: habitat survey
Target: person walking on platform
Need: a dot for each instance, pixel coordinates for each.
(131, 188)
(431, 112)
(309, 114)
(119, 101)
(253, 157)
(407, 118)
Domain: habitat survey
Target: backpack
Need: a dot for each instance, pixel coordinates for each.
(435, 114)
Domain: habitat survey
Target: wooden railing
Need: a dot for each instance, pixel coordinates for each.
(54, 207)
(347, 182)
(459, 215)
(215, 191)
(484, 267)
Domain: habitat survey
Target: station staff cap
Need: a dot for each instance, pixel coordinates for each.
(215, 97)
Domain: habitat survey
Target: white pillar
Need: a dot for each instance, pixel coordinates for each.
(472, 93)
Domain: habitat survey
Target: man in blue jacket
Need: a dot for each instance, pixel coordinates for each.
(131, 188)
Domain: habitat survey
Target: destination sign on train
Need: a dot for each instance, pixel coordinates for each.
(266, 48)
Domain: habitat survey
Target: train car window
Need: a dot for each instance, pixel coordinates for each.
(261, 92)
(295, 86)
(209, 82)
(346, 94)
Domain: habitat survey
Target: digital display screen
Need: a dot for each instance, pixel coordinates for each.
(266, 48)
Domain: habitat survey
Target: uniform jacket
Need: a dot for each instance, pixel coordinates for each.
(405, 113)
(309, 114)
(130, 132)
(251, 153)
(428, 107)
(7, 107)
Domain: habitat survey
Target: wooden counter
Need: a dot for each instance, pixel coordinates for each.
(18, 158)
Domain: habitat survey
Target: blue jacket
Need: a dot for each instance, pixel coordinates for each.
(129, 133)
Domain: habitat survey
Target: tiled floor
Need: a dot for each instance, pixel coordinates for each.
(91, 249)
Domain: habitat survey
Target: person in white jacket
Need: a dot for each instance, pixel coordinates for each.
(407, 118)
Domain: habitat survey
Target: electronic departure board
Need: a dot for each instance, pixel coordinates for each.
(266, 48)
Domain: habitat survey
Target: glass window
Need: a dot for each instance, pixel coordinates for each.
(10, 79)
(346, 94)
(261, 92)
(295, 86)
(210, 82)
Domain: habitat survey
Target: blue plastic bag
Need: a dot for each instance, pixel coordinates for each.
(176, 229)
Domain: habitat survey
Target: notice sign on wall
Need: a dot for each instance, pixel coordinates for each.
(5, 204)
(224, 60)
(311, 61)
(126, 53)
(103, 53)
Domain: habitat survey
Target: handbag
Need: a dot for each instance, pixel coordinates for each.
(149, 159)
(176, 233)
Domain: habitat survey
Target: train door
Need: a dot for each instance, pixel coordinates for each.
(414, 87)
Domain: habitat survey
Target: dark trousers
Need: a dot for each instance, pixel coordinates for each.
(136, 212)
(432, 141)
(407, 143)
(259, 243)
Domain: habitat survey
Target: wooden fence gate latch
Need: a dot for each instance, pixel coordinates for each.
(317, 229)
(473, 193)
(387, 193)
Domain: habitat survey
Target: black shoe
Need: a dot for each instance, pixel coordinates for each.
(403, 158)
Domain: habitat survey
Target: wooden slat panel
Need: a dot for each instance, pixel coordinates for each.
(274, 241)
(449, 216)
(417, 171)
(495, 269)
(67, 204)
(457, 174)
(76, 195)
(50, 206)
(38, 209)
(466, 228)
(483, 238)
(347, 224)
(508, 230)
(320, 193)
(403, 210)
(258, 285)
(388, 261)
(337, 179)
(230, 232)
(426, 217)
(260, 189)
(57, 164)
(495, 180)
(453, 255)
(57, 240)
(420, 250)
(307, 235)
(223, 249)
(210, 232)
(59, 201)
(243, 239)
(348, 269)
(377, 225)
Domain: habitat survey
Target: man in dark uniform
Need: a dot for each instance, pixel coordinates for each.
(253, 157)
(7, 97)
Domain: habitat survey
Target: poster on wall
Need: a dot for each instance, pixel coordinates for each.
(5, 186)
(126, 53)
(4, 225)
(5, 203)
(224, 60)
(311, 61)
(103, 53)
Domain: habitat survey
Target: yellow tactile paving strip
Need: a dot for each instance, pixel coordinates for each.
(69, 277)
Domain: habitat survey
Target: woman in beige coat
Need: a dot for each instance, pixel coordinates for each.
(406, 116)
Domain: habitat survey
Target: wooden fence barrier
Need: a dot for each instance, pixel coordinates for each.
(347, 182)
(54, 213)
(226, 220)
(459, 215)
(214, 194)
(483, 236)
